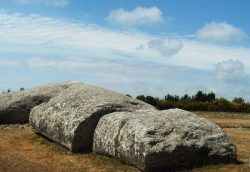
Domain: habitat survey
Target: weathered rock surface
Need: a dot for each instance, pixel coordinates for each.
(153, 140)
(71, 117)
(15, 107)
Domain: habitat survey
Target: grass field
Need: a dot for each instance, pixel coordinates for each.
(23, 150)
(237, 126)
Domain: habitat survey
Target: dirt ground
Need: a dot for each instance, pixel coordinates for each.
(21, 149)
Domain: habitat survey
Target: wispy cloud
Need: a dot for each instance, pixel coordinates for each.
(221, 32)
(138, 16)
(47, 2)
(38, 30)
(50, 50)
(44, 35)
(121, 75)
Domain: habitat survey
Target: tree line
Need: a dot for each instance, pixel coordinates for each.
(199, 102)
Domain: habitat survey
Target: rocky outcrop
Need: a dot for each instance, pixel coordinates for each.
(155, 140)
(83, 118)
(71, 117)
(15, 107)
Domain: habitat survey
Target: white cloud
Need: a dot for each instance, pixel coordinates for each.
(35, 30)
(138, 16)
(48, 36)
(231, 71)
(51, 50)
(48, 2)
(205, 56)
(166, 47)
(119, 75)
(220, 32)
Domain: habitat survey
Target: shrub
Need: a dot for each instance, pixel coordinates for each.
(199, 102)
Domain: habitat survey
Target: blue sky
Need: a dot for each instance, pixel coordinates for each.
(133, 47)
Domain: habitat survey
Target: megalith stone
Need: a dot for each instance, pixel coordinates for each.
(15, 106)
(154, 140)
(70, 118)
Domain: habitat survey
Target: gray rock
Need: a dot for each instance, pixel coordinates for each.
(15, 107)
(71, 117)
(155, 140)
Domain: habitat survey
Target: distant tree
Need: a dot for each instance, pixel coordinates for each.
(185, 97)
(150, 100)
(169, 97)
(199, 96)
(174, 98)
(141, 97)
(200, 101)
(7, 91)
(21, 89)
(210, 97)
(238, 100)
(203, 97)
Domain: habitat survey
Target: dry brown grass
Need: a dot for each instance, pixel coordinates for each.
(23, 150)
(228, 120)
(237, 126)
(241, 138)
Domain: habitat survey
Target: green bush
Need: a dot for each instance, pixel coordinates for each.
(199, 102)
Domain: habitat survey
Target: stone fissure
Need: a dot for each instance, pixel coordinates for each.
(117, 137)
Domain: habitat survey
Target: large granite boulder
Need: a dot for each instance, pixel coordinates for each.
(71, 117)
(155, 140)
(15, 107)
